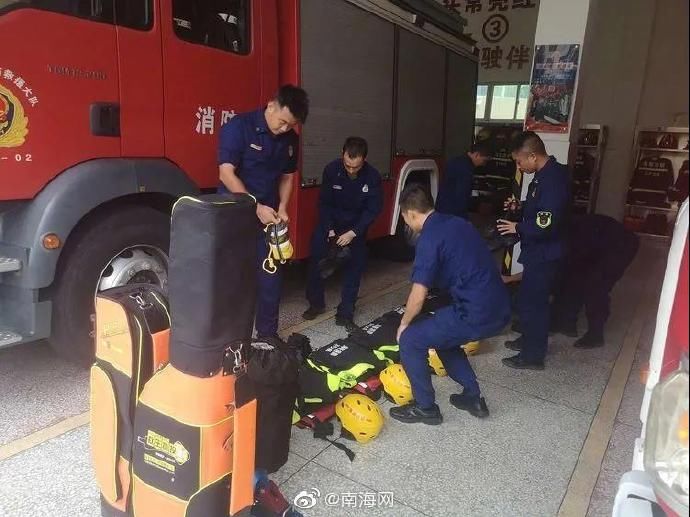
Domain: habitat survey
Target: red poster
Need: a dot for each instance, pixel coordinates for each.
(552, 89)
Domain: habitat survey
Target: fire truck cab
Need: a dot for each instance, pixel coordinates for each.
(110, 110)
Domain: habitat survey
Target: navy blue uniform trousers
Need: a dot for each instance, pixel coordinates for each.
(538, 281)
(445, 332)
(352, 273)
(268, 292)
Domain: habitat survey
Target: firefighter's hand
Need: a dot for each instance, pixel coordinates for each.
(402, 328)
(283, 215)
(266, 214)
(346, 238)
(506, 227)
(509, 279)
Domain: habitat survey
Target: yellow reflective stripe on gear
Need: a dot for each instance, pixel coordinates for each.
(355, 373)
(312, 400)
(382, 357)
(197, 200)
(390, 348)
(165, 308)
(333, 382)
(358, 369)
(318, 367)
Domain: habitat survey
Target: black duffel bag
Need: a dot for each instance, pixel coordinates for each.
(273, 368)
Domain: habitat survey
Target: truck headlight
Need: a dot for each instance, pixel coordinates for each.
(666, 441)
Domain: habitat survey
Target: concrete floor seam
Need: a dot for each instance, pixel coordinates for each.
(45, 434)
(580, 486)
(640, 307)
(567, 511)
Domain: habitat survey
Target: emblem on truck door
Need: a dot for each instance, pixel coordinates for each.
(13, 123)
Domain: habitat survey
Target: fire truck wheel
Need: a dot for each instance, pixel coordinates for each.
(123, 246)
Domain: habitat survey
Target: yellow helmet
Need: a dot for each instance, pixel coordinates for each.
(471, 348)
(436, 363)
(360, 417)
(396, 385)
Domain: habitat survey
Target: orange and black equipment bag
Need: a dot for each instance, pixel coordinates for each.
(195, 425)
(132, 332)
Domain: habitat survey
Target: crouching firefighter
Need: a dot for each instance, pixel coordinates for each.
(450, 255)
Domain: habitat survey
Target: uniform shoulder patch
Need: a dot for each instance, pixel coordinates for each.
(543, 219)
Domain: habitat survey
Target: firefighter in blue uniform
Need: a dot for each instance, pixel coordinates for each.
(350, 200)
(450, 254)
(257, 153)
(542, 246)
(455, 191)
(600, 249)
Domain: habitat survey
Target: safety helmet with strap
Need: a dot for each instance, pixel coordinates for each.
(361, 418)
(396, 384)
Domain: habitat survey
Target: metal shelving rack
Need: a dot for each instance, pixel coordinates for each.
(634, 213)
(600, 131)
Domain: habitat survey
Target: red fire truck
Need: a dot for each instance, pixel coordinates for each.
(657, 485)
(110, 109)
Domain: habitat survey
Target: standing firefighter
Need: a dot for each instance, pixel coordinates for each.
(452, 256)
(455, 191)
(542, 239)
(351, 199)
(257, 154)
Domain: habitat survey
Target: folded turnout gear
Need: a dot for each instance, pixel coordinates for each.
(371, 387)
(336, 257)
(320, 414)
(344, 356)
(332, 369)
(651, 182)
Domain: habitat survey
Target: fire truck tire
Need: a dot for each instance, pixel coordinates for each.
(91, 249)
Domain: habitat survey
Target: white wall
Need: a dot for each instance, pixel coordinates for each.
(665, 94)
(636, 74)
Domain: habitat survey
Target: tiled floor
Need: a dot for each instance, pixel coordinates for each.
(518, 462)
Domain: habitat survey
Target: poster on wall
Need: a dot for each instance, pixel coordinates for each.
(553, 88)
